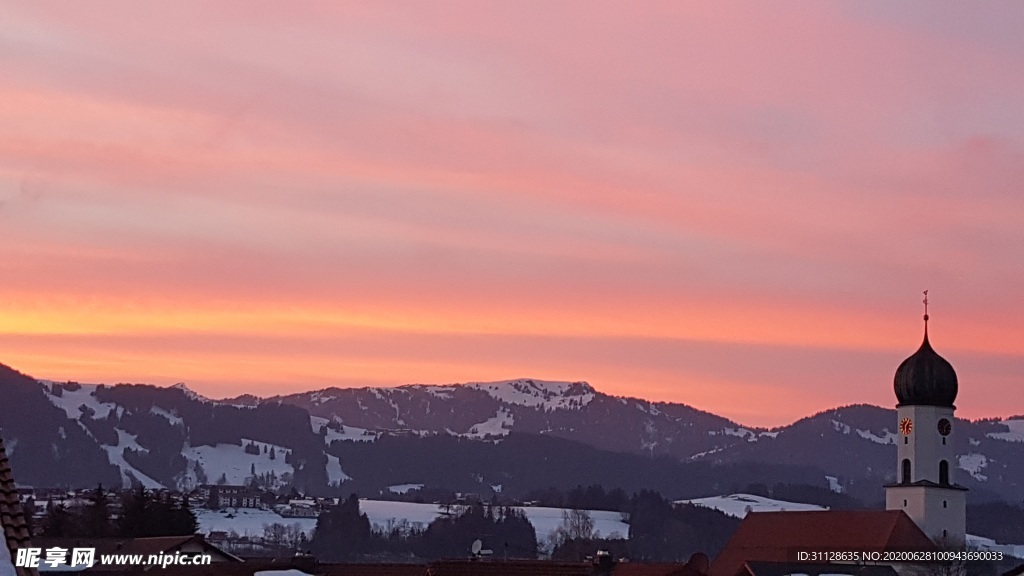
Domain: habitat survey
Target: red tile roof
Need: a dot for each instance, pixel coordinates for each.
(776, 536)
(372, 570)
(653, 569)
(12, 516)
(507, 568)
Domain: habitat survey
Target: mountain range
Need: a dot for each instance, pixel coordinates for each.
(509, 437)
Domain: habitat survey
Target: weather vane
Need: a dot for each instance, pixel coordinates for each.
(926, 306)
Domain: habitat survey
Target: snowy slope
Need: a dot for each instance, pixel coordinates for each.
(973, 464)
(499, 425)
(345, 432)
(116, 455)
(738, 505)
(72, 401)
(1015, 434)
(538, 393)
(335, 475)
(235, 464)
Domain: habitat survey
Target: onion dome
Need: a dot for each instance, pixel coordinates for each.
(926, 379)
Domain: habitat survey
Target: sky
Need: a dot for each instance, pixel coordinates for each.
(734, 205)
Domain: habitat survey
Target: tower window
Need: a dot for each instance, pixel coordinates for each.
(944, 534)
(906, 471)
(943, 441)
(906, 440)
(944, 472)
(904, 503)
(944, 504)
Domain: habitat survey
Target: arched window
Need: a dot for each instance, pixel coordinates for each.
(944, 472)
(906, 471)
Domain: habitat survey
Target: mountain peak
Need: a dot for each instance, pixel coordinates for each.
(538, 393)
(190, 392)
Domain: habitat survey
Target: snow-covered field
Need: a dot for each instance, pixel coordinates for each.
(1016, 433)
(739, 505)
(251, 521)
(981, 543)
(346, 433)
(403, 488)
(235, 464)
(973, 464)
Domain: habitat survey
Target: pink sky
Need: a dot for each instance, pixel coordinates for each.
(731, 205)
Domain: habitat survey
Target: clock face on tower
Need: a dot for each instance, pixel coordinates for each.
(906, 426)
(945, 427)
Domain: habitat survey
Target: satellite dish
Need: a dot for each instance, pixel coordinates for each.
(476, 547)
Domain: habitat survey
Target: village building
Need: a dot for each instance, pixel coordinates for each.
(231, 496)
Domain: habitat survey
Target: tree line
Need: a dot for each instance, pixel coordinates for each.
(143, 513)
(343, 533)
(658, 531)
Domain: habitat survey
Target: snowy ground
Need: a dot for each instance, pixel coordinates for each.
(71, 401)
(973, 464)
(981, 543)
(739, 505)
(116, 456)
(6, 567)
(250, 521)
(403, 488)
(1016, 433)
(235, 464)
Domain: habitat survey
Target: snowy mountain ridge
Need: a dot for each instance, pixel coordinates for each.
(173, 436)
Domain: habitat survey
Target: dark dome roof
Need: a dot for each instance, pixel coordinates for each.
(926, 379)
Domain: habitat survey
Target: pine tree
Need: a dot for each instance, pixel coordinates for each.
(342, 532)
(136, 513)
(58, 522)
(96, 515)
(213, 500)
(144, 515)
(182, 521)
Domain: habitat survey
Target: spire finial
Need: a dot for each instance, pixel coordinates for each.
(925, 310)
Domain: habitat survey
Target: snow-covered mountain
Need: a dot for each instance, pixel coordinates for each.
(372, 438)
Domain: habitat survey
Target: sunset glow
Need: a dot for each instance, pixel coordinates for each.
(735, 207)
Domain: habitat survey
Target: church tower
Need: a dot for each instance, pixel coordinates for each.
(926, 387)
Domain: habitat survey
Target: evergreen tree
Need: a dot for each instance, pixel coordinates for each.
(96, 515)
(182, 520)
(342, 532)
(58, 522)
(28, 508)
(213, 500)
(504, 530)
(144, 514)
(136, 513)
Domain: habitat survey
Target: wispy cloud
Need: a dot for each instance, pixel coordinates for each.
(654, 200)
